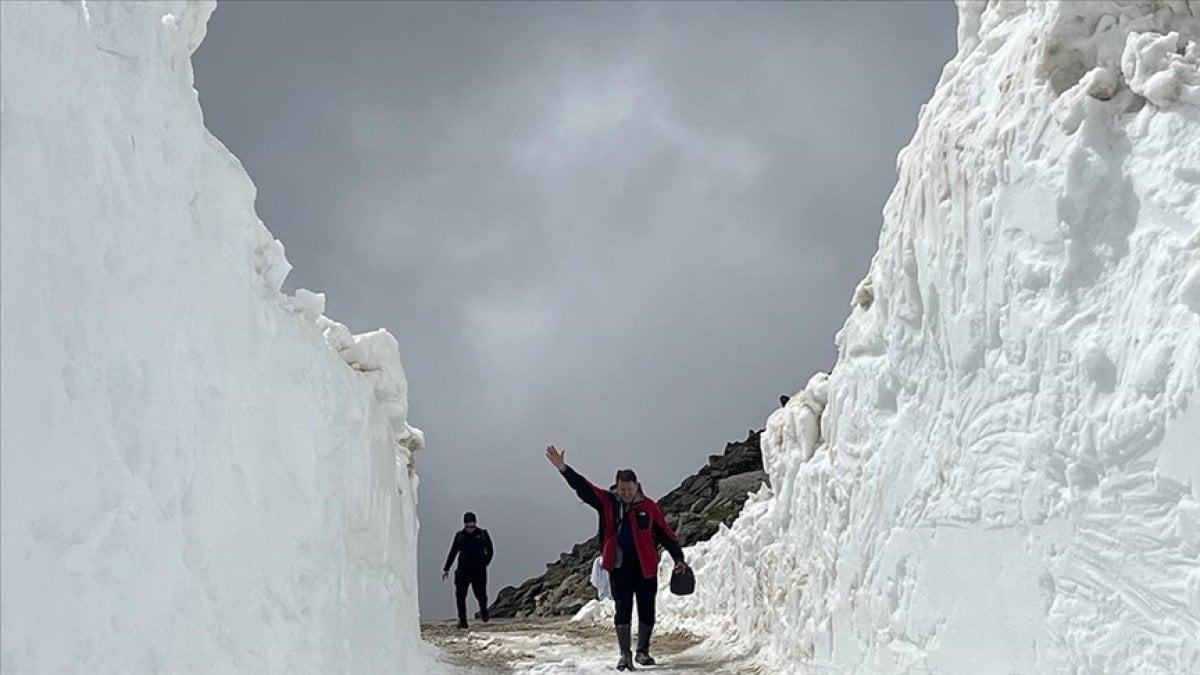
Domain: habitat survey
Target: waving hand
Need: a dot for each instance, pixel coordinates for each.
(556, 457)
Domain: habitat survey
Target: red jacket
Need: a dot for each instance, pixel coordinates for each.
(644, 519)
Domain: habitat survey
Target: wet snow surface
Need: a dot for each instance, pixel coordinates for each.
(549, 646)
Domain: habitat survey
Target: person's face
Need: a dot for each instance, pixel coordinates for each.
(470, 527)
(626, 490)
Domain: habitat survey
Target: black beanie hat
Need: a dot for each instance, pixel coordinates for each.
(626, 475)
(468, 517)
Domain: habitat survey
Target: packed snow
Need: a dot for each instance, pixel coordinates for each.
(200, 473)
(1002, 471)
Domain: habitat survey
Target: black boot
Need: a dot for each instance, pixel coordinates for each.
(643, 649)
(623, 638)
(484, 615)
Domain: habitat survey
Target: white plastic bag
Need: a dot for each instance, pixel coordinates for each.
(600, 580)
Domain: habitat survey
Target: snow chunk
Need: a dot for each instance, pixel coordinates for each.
(411, 438)
(1155, 67)
(1101, 83)
(271, 264)
(377, 355)
(337, 336)
(310, 305)
(795, 429)
(864, 293)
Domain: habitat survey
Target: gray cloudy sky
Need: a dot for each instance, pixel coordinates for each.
(621, 228)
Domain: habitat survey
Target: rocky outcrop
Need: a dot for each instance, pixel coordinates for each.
(696, 509)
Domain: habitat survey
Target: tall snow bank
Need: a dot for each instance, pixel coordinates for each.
(1002, 472)
(199, 472)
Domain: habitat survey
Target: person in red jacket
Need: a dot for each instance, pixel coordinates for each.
(631, 529)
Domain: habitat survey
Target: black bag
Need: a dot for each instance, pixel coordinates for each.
(683, 583)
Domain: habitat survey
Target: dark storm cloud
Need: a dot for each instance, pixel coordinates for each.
(623, 228)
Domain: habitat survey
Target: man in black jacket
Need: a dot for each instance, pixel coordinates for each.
(474, 549)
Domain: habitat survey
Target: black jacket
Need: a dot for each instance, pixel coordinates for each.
(474, 550)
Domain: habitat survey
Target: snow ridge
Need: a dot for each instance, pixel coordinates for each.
(200, 472)
(1002, 471)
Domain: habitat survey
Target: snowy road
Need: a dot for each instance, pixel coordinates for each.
(559, 646)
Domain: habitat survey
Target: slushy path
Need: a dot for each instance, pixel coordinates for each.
(545, 646)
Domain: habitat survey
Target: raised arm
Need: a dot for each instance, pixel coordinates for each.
(590, 494)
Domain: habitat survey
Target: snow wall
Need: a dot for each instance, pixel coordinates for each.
(199, 472)
(1002, 472)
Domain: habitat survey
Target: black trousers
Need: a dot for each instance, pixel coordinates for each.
(477, 580)
(628, 583)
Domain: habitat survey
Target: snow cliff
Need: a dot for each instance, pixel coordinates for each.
(1002, 472)
(199, 471)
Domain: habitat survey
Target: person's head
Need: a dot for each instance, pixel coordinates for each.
(627, 485)
(469, 521)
